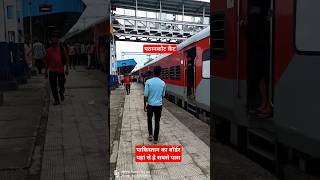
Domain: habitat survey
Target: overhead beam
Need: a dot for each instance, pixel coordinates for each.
(149, 36)
(170, 10)
(158, 21)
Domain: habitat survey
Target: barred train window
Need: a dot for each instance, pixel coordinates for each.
(172, 73)
(307, 26)
(218, 36)
(177, 72)
(206, 64)
(10, 12)
(164, 73)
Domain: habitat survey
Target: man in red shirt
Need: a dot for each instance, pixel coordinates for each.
(127, 81)
(56, 59)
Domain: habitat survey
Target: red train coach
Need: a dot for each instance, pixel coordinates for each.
(292, 54)
(187, 73)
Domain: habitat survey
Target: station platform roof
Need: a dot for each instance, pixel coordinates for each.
(95, 12)
(126, 63)
(191, 7)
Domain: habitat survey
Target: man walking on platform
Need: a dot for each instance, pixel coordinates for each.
(39, 52)
(55, 61)
(127, 83)
(154, 92)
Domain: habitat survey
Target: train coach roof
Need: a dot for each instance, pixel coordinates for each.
(197, 37)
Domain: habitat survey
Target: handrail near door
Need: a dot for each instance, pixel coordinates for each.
(238, 49)
(270, 86)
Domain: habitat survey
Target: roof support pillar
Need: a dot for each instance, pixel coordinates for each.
(160, 14)
(136, 14)
(182, 15)
(203, 14)
(160, 10)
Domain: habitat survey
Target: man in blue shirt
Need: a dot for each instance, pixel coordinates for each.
(154, 92)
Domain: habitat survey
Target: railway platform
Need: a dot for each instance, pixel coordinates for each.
(177, 126)
(196, 154)
(76, 138)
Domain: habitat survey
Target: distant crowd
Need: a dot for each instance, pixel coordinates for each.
(79, 53)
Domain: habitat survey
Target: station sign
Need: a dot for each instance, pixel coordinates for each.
(159, 48)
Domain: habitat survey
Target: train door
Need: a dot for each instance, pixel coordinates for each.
(259, 58)
(191, 73)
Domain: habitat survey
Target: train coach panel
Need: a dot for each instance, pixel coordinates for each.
(297, 90)
(175, 90)
(203, 76)
(223, 63)
(203, 94)
(297, 104)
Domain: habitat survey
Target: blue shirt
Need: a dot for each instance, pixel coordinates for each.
(155, 90)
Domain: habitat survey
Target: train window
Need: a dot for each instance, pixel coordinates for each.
(172, 76)
(164, 73)
(206, 64)
(307, 37)
(177, 73)
(218, 35)
(167, 73)
(10, 12)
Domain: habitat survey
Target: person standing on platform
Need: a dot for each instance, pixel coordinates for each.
(88, 53)
(39, 53)
(28, 54)
(77, 49)
(147, 76)
(127, 83)
(154, 92)
(83, 52)
(72, 56)
(56, 59)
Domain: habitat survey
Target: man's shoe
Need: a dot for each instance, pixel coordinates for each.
(155, 142)
(150, 138)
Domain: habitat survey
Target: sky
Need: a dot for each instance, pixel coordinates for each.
(126, 46)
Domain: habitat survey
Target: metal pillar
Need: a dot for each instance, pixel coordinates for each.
(160, 10)
(31, 31)
(160, 14)
(203, 14)
(136, 11)
(183, 16)
(4, 22)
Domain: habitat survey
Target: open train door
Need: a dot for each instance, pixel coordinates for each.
(190, 73)
(256, 27)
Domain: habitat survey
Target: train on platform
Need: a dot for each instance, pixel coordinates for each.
(291, 135)
(186, 73)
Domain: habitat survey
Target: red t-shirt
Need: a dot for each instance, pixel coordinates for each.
(127, 80)
(53, 60)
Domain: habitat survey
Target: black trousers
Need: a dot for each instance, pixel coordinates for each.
(128, 88)
(39, 64)
(156, 110)
(73, 61)
(57, 79)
